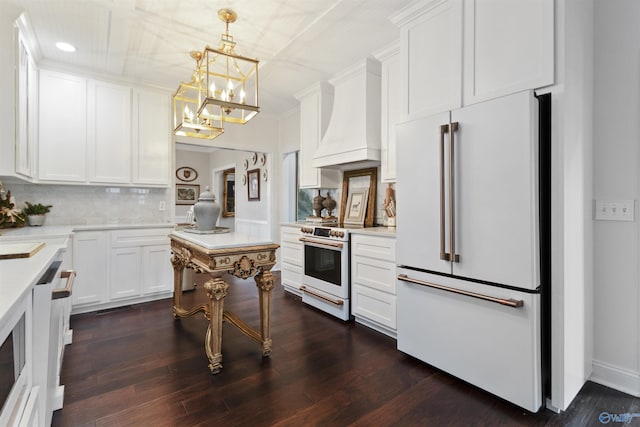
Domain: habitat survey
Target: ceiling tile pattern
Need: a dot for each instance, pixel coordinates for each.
(298, 42)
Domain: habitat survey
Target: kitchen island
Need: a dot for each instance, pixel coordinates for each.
(216, 254)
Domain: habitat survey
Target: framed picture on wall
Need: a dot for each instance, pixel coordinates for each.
(253, 178)
(187, 194)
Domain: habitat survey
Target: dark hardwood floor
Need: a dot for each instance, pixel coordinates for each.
(137, 366)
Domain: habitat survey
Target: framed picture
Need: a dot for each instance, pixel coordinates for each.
(356, 206)
(253, 178)
(187, 194)
(359, 180)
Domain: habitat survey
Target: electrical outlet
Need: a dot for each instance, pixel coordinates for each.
(615, 210)
(162, 206)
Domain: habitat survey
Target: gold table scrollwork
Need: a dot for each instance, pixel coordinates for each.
(217, 254)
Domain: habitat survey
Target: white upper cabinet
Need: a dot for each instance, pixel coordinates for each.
(508, 47)
(391, 110)
(151, 138)
(109, 126)
(431, 55)
(459, 52)
(95, 132)
(62, 142)
(315, 109)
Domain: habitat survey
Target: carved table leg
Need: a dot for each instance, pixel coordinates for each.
(179, 260)
(216, 291)
(264, 282)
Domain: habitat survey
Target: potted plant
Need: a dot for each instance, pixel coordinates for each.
(35, 213)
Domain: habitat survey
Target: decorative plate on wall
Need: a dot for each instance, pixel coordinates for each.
(264, 174)
(246, 164)
(263, 159)
(186, 174)
(254, 158)
(244, 179)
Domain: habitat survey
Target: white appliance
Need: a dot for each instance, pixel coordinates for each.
(325, 279)
(471, 219)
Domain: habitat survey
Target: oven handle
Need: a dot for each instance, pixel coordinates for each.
(322, 297)
(514, 303)
(321, 243)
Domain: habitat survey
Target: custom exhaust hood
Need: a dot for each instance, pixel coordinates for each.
(352, 139)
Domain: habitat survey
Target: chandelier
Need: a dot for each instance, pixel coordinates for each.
(224, 88)
(186, 102)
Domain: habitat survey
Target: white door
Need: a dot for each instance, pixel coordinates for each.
(89, 261)
(496, 218)
(419, 230)
(157, 270)
(152, 138)
(126, 273)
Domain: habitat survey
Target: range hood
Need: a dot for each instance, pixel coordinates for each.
(352, 139)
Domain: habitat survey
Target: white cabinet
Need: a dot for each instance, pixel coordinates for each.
(292, 258)
(508, 47)
(157, 272)
(109, 133)
(373, 282)
(315, 110)
(89, 255)
(95, 132)
(391, 110)
(62, 130)
(457, 52)
(26, 113)
(151, 139)
(133, 266)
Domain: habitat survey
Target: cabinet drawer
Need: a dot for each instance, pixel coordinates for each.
(291, 253)
(383, 248)
(380, 275)
(374, 305)
(291, 235)
(291, 275)
(142, 237)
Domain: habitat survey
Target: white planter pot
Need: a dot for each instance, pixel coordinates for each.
(35, 220)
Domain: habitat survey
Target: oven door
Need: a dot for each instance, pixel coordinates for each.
(326, 266)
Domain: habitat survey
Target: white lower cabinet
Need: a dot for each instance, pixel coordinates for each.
(137, 268)
(291, 250)
(373, 282)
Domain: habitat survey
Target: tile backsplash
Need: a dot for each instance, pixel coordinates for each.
(88, 205)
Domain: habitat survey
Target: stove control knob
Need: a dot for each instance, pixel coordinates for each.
(341, 234)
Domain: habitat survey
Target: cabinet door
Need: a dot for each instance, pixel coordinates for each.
(431, 50)
(109, 128)
(418, 194)
(152, 140)
(125, 273)
(157, 274)
(496, 218)
(62, 127)
(89, 254)
(291, 247)
(391, 115)
(508, 47)
(23, 149)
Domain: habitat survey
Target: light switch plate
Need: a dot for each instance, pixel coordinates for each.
(615, 210)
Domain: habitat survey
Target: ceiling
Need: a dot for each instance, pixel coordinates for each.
(298, 42)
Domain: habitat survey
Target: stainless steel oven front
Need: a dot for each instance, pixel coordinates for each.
(326, 270)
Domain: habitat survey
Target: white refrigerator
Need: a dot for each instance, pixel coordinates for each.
(470, 289)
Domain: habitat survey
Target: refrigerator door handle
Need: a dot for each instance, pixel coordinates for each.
(453, 127)
(509, 302)
(444, 129)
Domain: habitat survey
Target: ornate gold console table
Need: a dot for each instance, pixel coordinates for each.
(216, 254)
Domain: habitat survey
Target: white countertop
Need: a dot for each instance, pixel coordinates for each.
(19, 276)
(220, 240)
(53, 231)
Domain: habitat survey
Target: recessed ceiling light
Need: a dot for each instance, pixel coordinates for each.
(65, 47)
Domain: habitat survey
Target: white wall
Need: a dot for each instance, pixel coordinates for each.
(198, 160)
(617, 71)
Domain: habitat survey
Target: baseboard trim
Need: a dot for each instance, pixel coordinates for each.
(624, 380)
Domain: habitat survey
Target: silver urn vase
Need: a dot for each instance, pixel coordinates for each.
(206, 211)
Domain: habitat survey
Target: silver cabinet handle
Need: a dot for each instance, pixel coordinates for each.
(453, 127)
(510, 302)
(443, 255)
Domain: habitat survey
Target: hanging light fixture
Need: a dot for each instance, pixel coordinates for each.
(186, 102)
(230, 80)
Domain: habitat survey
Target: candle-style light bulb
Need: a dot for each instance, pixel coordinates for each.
(230, 86)
(242, 96)
(212, 89)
